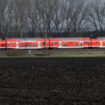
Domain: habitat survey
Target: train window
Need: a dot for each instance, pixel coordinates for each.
(3, 45)
(64, 44)
(44, 43)
(11, 43)
(97, 42)
(80, 44)
(86, 42)
(76, 44)
(54, 43)
(30, 45)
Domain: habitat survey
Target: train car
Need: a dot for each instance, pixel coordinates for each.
(70, 42)
(78, 42)
(31, 43)
(25, 43)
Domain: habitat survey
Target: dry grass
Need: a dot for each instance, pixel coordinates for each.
(53, 53)
(15, 52)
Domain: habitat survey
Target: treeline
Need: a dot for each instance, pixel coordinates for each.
(93, 34)
(51, 18)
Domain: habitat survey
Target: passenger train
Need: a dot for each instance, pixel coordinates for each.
(59, 43)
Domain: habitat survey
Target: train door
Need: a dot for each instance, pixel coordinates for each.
(39, 45)
(17, 44)
(60, 44)
(101, 43)
(80, 44)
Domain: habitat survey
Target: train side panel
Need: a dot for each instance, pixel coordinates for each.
(2, 44)
(95, 43)
(102, 42)
(11, 43)
(85, 42)
(54, 43)
(30, 43)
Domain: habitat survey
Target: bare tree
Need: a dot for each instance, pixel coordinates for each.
(95, 16)
(46, 12)
(33, 17)
(75, 14)
(59, 16)
(47, 16)
(3, 4)
(20, 13)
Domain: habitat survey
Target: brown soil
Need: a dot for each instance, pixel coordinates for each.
(52, 81)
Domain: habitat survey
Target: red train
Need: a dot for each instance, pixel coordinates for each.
(40, 43)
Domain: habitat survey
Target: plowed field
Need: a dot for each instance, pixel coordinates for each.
(52, 81)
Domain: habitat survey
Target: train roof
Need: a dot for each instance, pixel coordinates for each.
(24, 39)
(101, 38)
(33, 39)
(70, 38)
(57, 38)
